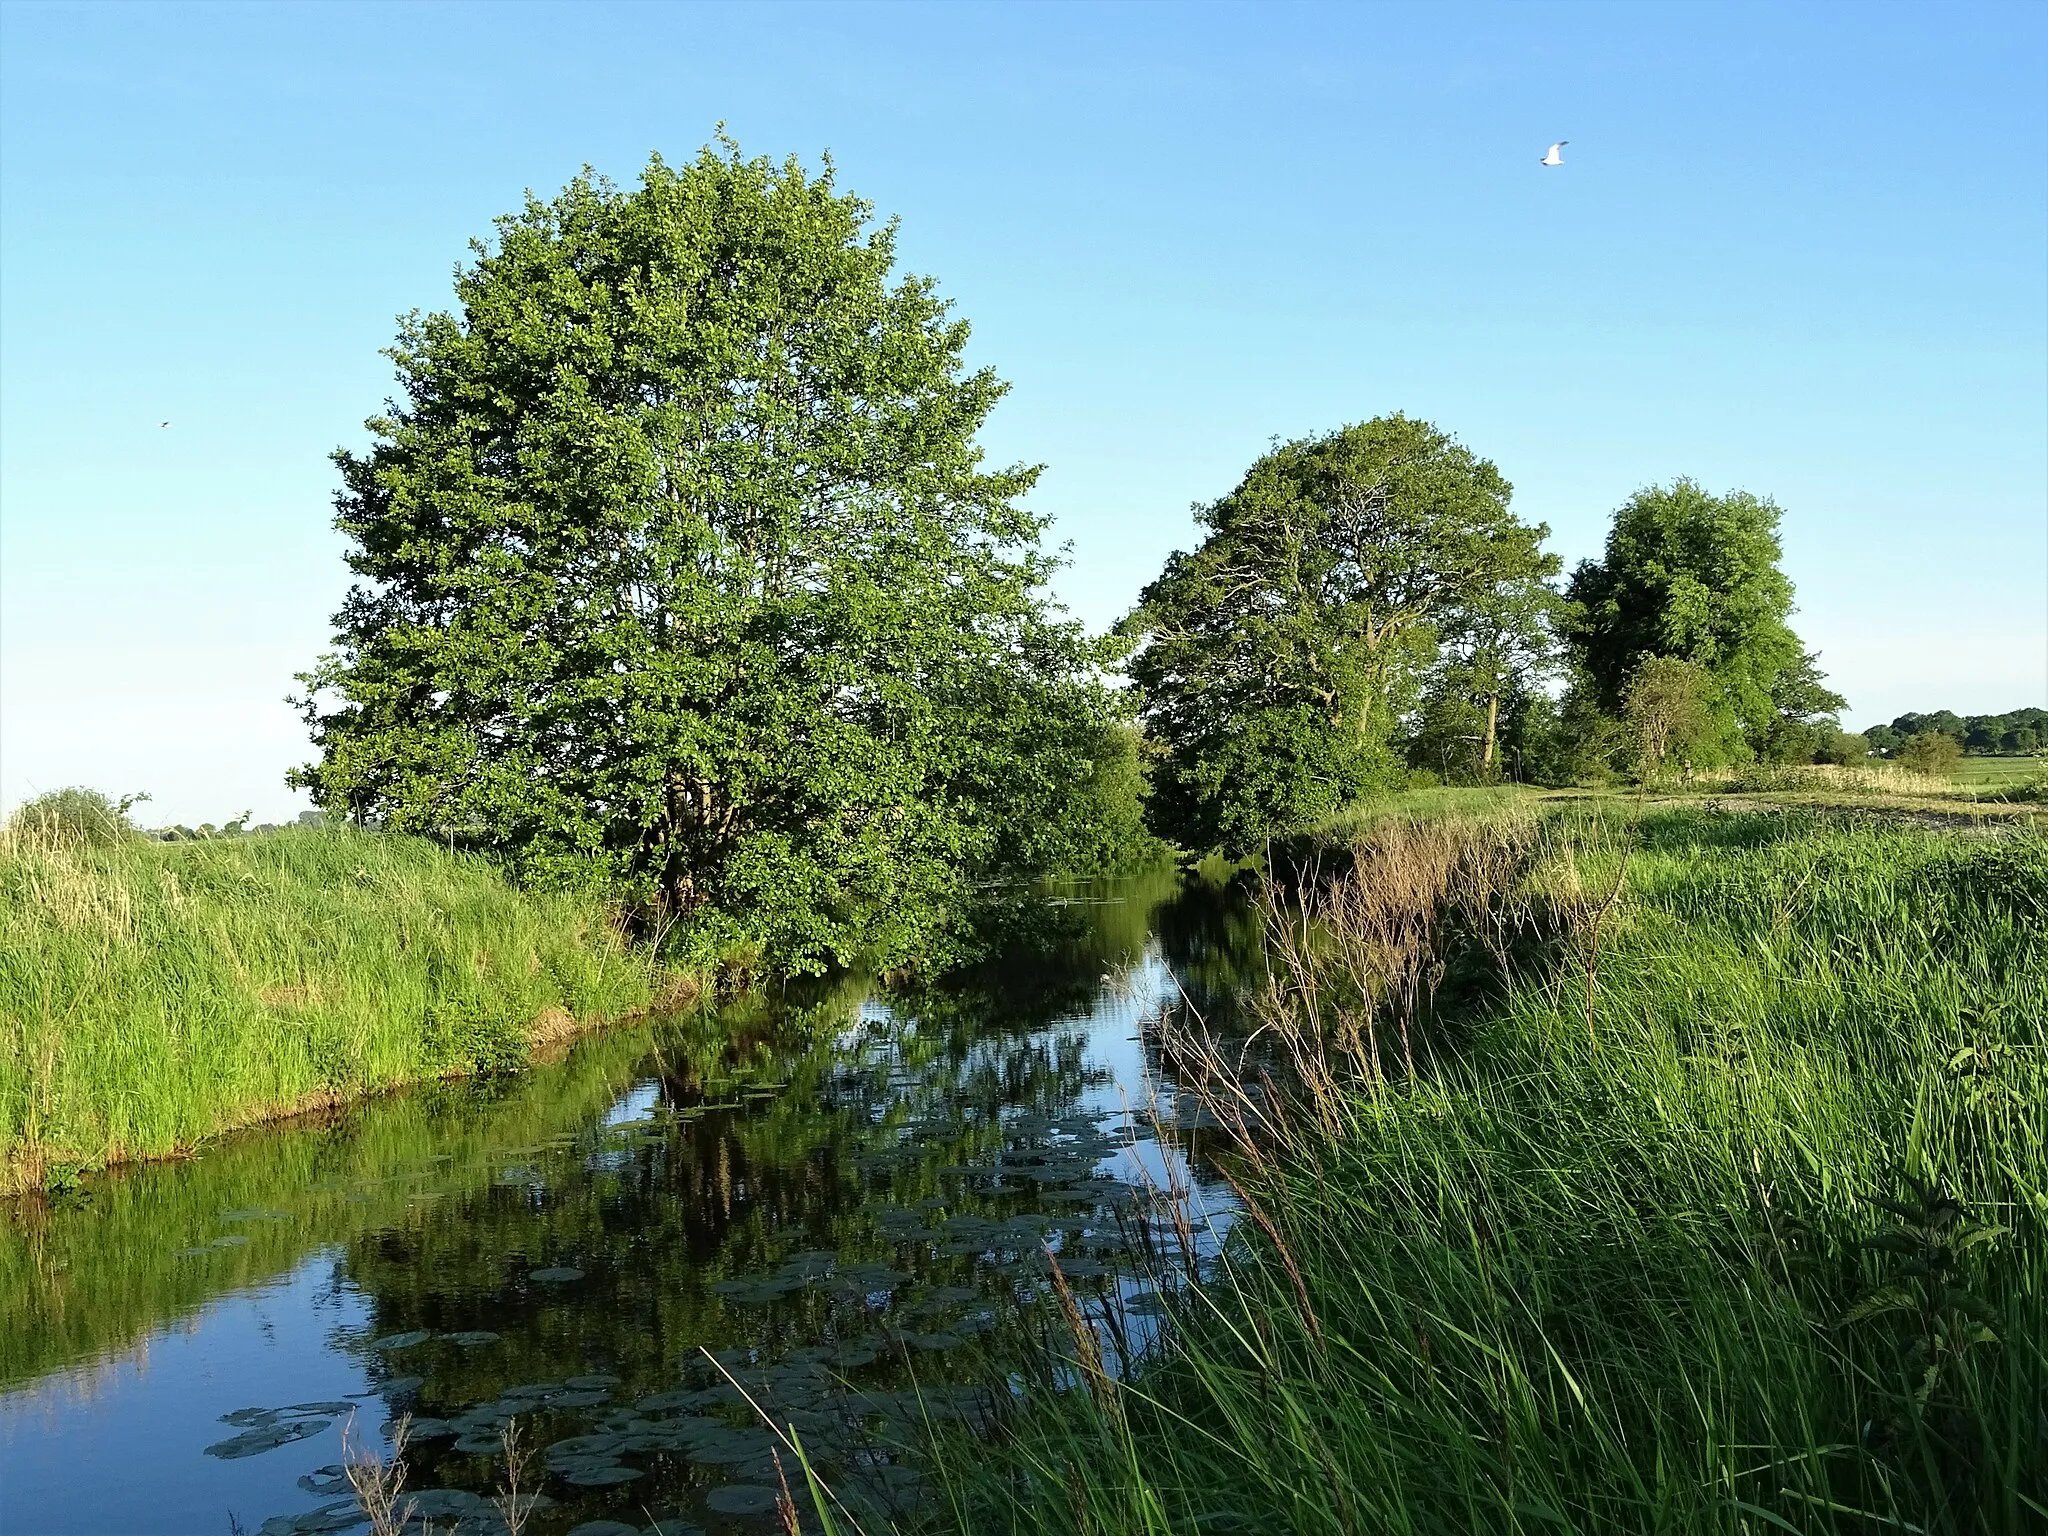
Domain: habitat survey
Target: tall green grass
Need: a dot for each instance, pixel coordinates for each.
(1619, 1257)
(152, 994)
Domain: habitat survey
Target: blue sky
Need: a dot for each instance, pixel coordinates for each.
(1797, 249)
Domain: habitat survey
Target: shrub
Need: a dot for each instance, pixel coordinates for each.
(74, 818)
(1845, 749)
(1934, 753)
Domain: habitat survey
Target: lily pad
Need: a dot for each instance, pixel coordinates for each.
(325, 1482)
(392, 1341)
(532, 1389)
(742, 1499)
(322, 1410)
(473, 1338)
(604, 1528)
(444, 1503)
(603, 1477)
(342, 1515)
(732, 1448)
(253, 1442)
(232, 1240)
(668, 1402)
(597, 1381)
(560, 1274)
(249, 1418)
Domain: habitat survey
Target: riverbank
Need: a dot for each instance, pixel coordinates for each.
(156, 994)
(1703, 1189)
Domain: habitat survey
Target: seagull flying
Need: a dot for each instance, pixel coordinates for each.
(1552, 157)
(161, 425)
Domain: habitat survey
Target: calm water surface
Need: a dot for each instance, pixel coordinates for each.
(840, 1209)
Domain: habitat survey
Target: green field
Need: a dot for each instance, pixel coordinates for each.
(1983, 772)
(153, 994)
(1716, 1200)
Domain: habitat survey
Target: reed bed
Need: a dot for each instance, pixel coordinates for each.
(1623, 1172)
(153, 994)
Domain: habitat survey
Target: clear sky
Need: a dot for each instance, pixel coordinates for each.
(1797, 249)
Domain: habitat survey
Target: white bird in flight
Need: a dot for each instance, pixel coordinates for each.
(1552, 157)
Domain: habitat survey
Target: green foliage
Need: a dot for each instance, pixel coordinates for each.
(463, 1034)
(1696, 577)
(682, 576)
(1574, 741)
(1934, 753)
(74, 818)
(1670, 706)
(2017, 731)
(1843, 748)
(152, 994)
(1278, 659)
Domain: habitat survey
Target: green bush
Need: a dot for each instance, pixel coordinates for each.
(74, 818)
(1934, 753)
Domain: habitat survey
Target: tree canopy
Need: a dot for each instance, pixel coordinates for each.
(681, 570)
(1695, 578)
(1276, 660)
(2016, 731)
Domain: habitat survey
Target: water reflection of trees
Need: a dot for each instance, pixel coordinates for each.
(769, 1128)
(812, 1109)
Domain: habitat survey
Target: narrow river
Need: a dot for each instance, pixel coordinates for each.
(839, 1209)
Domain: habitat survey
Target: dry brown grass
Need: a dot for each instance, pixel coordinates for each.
(379, 1481)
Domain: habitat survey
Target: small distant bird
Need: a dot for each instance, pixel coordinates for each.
(162, 424)
(1551, 156)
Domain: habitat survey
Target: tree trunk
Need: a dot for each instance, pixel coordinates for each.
(1492, 722)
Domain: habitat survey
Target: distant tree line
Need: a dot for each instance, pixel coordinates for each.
(2018, 732)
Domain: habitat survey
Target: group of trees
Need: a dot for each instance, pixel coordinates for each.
(681, 571)
(2019, 732)
(1366, 608)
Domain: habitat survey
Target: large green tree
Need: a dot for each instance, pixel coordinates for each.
(1276, 660)
(1696, 578)
(681, 570)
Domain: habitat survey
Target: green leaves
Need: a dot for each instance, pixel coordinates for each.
(1276, 659)
(682, 574)
(1695, 577)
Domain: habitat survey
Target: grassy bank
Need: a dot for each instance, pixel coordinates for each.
(1637, 1245)
(153, 994)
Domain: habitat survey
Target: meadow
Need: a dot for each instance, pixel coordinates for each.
(155, 994)
(1640, 1168)
(1977, 772)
